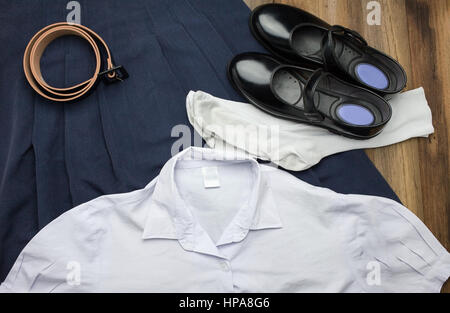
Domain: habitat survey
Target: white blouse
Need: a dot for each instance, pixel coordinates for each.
(220, 222)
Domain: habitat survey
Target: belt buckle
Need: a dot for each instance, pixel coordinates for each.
(120, 71)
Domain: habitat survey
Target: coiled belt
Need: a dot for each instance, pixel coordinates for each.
(36, 47)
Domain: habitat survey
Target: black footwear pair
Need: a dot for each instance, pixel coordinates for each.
(344, 95)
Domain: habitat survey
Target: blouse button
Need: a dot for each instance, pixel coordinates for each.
(224, 266)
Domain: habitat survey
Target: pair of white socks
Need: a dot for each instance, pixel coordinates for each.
(296, 146)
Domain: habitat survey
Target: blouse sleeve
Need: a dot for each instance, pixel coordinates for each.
(389, 248)
(60, 258)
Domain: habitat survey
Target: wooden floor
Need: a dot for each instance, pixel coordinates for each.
(417, 34)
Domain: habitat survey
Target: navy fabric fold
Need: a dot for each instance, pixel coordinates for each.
(54, 156)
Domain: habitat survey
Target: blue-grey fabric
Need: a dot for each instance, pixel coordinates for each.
(56, 156)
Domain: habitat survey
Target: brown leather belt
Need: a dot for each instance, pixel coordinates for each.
(36, 47)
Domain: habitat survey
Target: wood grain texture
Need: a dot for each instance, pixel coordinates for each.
(416, 33)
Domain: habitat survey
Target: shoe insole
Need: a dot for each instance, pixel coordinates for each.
(372, 75)
(355, 114)
(289, 88)
(307, 41)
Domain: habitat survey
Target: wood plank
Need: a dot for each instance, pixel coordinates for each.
(428, 23)
(415, 32)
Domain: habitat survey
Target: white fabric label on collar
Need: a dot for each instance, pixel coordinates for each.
(211, 177)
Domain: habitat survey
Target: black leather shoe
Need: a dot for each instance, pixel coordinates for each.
(297, 37)
(309, 96)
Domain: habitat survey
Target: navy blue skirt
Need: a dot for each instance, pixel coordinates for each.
(56, 156)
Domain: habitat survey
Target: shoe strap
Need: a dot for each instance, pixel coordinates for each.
(329, 44)
(310, 109)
